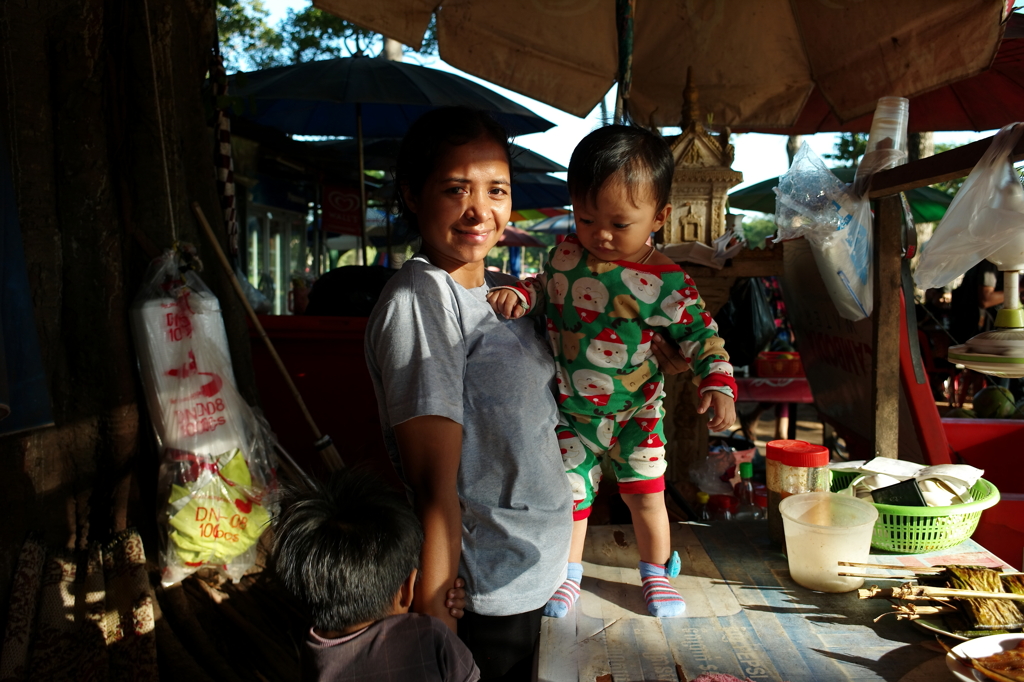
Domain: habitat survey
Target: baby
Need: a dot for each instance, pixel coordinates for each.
(607, 292)
(348, 553)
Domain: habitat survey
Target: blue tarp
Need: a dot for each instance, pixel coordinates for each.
(23, 386)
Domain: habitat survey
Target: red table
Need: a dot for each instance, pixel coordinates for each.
(785, 390)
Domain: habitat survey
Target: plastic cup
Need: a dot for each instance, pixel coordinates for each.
(823, 529)
(889, 125)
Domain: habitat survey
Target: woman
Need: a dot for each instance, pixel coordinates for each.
(465, 399)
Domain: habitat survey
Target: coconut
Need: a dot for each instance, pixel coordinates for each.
(960, 413)
(994, 402)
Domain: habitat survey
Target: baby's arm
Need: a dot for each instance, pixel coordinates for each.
(522, 298)
(724, 406)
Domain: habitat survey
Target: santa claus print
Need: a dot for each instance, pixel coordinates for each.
(708, 321)
(572, 450)
(595, 476)
(578, 485)
(652, 391)
(647, 418)
(720, 367)
(562, 381)
(554, 337)
(566, 255)
(589, 297)
(594, 386)
(648, 458)
(558, 288)
(607, 350)
(643, 285)
(643, 351)
(606, 432)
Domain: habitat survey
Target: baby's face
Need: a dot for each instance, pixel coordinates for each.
(613, 227)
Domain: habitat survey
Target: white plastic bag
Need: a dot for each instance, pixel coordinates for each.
(813, 203)
(984, 221)
(216, 460)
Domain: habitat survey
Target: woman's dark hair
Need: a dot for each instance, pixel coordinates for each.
(429, 139)
(642, 160)
(344, 550)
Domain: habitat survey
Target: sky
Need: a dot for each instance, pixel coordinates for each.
(758, 157)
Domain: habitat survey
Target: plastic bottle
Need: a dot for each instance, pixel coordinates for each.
(722, 507)
(701, 511)
(747, 509)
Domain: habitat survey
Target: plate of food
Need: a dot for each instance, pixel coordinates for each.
(1000, 655)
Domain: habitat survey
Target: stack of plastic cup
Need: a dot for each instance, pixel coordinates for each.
(887, 142)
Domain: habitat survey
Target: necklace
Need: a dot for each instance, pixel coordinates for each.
(647, 255)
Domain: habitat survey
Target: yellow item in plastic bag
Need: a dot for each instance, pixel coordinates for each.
(221, 520)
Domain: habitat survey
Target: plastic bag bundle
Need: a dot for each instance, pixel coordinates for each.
(812, 202)
(217, 465)
(984, 221)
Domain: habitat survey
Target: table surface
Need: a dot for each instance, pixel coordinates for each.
(774, 390)
(744, 617)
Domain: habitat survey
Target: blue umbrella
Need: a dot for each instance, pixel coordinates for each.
(538, 190)
(363, 96)
(560, 224)
(327, 97)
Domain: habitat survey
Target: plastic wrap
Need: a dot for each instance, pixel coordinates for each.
(217, 467)
(813, 203)
(984, 221)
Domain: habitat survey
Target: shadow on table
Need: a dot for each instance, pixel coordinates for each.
(891, 666)
(626, 597)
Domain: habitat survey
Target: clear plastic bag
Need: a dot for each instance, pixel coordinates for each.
(984, 221)
(812, 202)
(217, 467)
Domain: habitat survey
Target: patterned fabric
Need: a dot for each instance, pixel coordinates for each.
(663, 601)
(94, 619)
(602, 317)
(633, 441)
(21, 611)
(566, 595)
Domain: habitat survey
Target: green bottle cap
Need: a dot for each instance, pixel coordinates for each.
(746, 469)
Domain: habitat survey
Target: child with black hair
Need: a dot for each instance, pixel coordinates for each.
(349, 553)
(608, 291)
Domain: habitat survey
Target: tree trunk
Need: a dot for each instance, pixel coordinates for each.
(920, 146)
(81, 118)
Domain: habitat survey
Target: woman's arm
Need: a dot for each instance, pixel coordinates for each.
(431, 448)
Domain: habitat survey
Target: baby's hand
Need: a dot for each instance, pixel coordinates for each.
(506, 303)
(725, 409)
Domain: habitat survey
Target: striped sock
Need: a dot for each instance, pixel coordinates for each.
(566, 595)
(662, 599)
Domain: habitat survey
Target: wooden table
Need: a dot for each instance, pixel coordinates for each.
(745, 617)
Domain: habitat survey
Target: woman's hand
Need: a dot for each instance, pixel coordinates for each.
(670, 360)
(725, 409)
(456, 600)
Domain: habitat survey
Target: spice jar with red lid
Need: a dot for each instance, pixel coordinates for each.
(794, 466)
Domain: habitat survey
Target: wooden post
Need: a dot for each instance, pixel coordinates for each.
(885, 370)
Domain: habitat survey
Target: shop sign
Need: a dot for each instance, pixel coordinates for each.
(341, 209)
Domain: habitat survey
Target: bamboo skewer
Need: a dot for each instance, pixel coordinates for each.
(323, 443)
(908, 591)
(889, 567)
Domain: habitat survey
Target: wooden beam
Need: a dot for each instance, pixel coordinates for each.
(885, 377)
(955, 163)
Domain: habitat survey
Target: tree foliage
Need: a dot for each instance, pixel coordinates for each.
(248, 41)
(849, 148)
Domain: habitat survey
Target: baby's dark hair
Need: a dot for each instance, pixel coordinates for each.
(639, 158)
(344, 549)
(428, 140)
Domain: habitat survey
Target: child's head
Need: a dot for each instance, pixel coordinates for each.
(348, 551)
(619, 179)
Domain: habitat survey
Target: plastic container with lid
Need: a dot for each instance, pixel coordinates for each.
(701, 510)
(794, 466)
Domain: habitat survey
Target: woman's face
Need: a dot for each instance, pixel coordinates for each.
(464, 204)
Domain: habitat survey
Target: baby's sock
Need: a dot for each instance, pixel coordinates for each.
(662, 599)
(566, 595)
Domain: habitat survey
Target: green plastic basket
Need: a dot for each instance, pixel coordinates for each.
(915, 530)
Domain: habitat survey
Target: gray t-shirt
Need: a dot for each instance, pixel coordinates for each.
(434, 347)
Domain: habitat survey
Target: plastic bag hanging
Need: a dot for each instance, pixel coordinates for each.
(813, 203)
(216, 466)
(984, 221)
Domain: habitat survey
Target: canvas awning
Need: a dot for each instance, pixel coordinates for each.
(755, 64)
